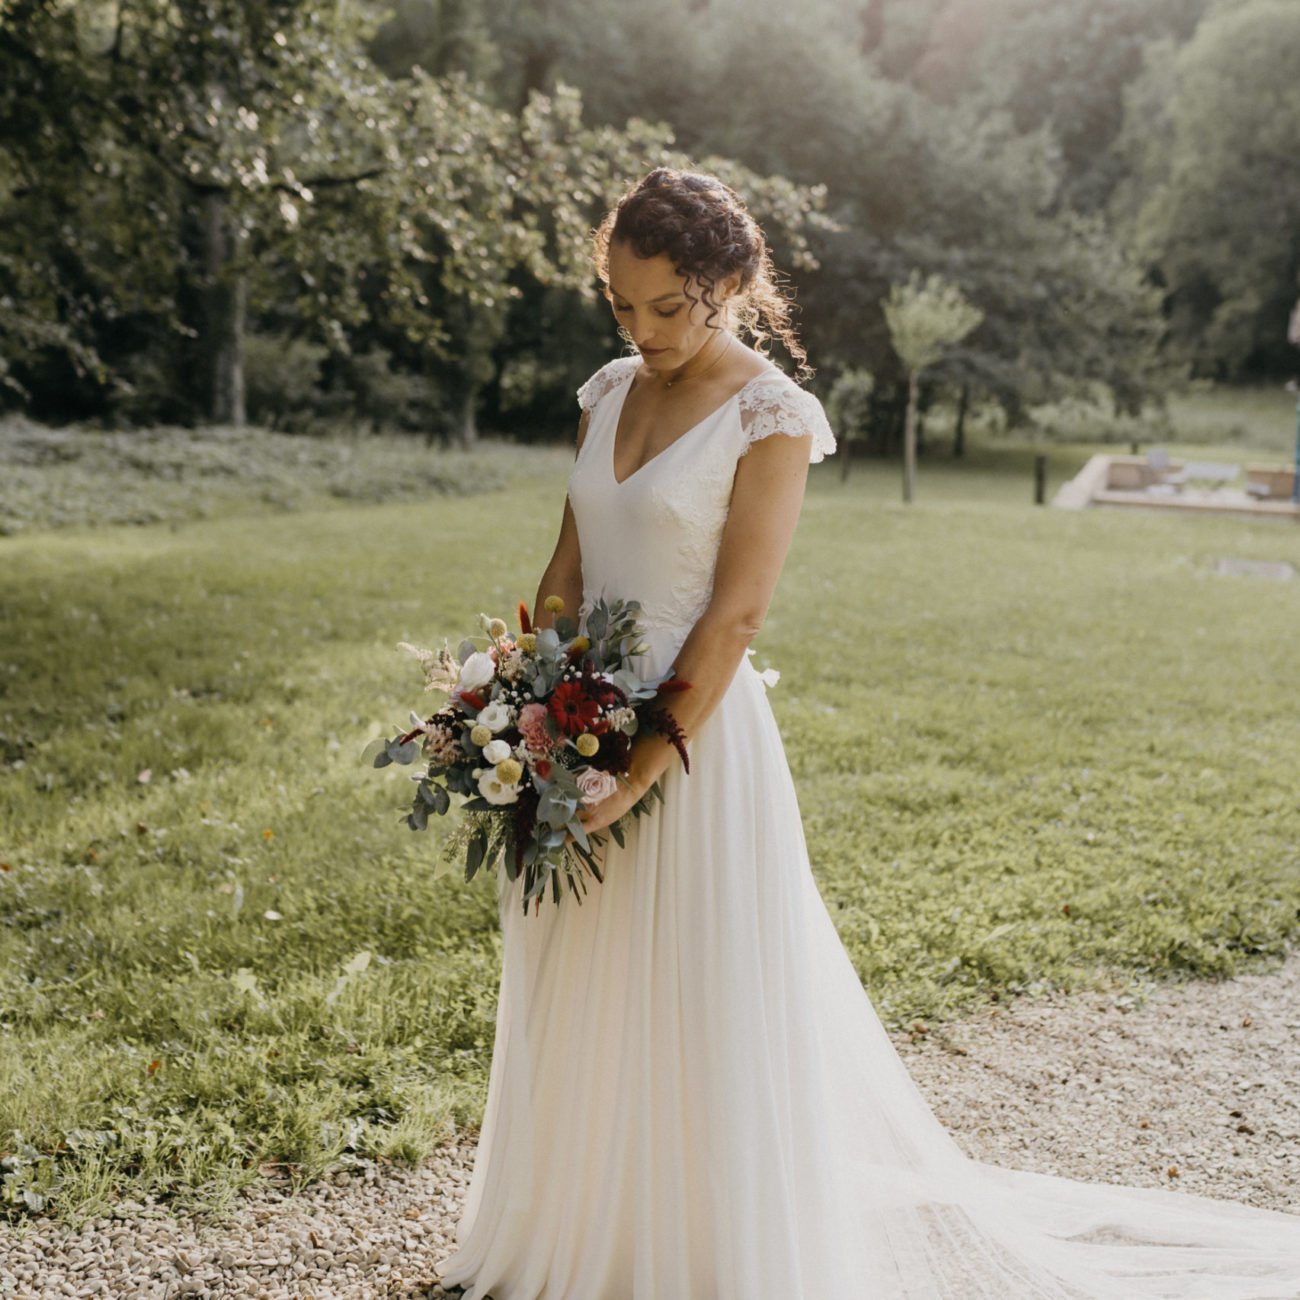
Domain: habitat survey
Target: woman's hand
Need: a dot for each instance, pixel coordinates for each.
(603, 814)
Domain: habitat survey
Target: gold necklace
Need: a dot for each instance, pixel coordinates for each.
(668, 383)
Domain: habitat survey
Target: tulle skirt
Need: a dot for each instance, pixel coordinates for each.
(692, 1098)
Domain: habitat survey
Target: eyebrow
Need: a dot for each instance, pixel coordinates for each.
(663, 297)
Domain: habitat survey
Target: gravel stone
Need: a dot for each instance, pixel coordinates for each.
(1193, 1086)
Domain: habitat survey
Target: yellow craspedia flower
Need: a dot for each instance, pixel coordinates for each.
(480, 735)
(579, 645)
(509, 771)
(586, 744)
(527, 642)
(555, 604)
(497, 629)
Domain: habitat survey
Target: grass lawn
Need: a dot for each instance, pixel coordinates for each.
(1034, 749)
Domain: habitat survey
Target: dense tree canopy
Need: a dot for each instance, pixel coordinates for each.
(1213, 196)
(396, 193)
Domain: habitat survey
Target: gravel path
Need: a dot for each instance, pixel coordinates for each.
(1194, 1086)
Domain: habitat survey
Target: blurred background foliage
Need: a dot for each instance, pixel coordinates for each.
(375, 214)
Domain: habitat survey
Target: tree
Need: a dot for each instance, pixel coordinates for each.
(204, 163)
(848, 407)
(924, 318)
(1213, 205)
(1062, 65)
(175, 145)
(910, 183)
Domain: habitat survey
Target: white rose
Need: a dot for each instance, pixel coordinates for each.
(496, 751)
(595, 785)
(494, 791)
(496, 717)
(476, 672)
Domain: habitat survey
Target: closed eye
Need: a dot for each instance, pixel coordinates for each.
(622, 308)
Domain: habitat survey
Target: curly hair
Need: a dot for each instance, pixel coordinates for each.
(704, 228)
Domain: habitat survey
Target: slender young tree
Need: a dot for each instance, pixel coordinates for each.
(925, 317)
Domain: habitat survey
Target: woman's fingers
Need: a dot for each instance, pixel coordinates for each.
(608, 810)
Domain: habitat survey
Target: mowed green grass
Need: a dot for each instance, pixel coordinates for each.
(1033, 749)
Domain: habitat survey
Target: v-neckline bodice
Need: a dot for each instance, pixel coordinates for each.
(617, 416)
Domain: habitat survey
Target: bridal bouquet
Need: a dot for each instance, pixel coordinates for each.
(537, 726)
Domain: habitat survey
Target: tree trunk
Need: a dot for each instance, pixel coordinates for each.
(909, 438)
(468, 417)
(959, 434)
(224, 311)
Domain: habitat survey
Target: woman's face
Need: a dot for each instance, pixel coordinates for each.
(648, 295)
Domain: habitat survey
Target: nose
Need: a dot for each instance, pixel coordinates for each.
(643, 330)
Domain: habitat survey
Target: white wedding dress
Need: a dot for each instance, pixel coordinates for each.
(691, 1096)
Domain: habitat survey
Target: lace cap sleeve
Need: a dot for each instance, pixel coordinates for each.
(774, 403)
(609, 376)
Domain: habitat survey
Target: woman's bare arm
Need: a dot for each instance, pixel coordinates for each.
(563, 575)
(765, 502)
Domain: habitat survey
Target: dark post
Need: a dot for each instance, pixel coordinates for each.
(1040, 479)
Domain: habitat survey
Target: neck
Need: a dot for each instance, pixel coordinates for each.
(700, 364)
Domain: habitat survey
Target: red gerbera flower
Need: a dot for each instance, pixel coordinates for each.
(572, 711)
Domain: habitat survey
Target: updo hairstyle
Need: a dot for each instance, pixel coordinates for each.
(704, 228)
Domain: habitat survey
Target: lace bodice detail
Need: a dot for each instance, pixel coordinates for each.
(654, 537)
(608, 377)
(770, 403)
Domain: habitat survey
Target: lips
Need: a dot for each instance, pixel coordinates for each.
(652, 352)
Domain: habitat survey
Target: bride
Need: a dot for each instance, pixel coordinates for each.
(691, 1096)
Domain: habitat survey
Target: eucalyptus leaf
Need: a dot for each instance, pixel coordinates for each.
(459, 781)
(565, 781)
(406, 753)
(555, 808)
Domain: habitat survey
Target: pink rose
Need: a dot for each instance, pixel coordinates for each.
(532, 727)
(595, 785)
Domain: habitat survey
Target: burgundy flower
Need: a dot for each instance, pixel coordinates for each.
(571, 709)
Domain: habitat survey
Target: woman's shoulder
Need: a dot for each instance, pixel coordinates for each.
(772, 403)
(607, 378)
